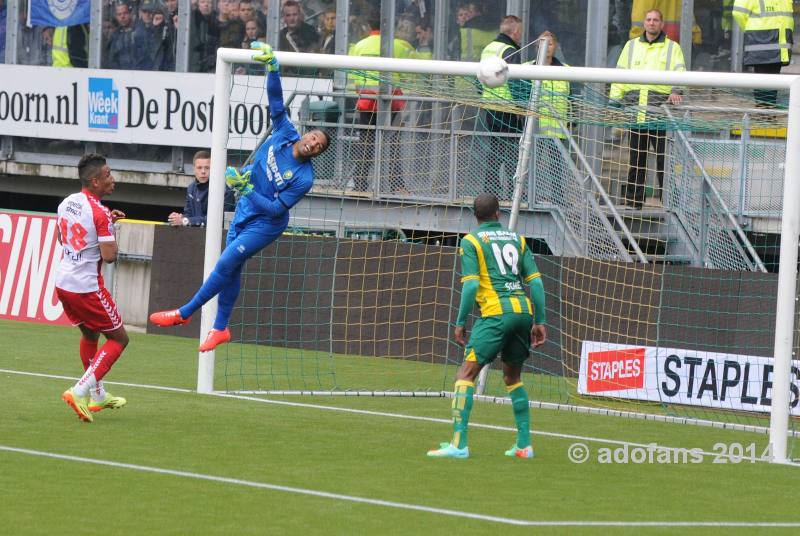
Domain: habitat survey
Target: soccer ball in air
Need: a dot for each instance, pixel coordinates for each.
(493, 71)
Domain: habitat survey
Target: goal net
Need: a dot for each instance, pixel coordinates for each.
(657, 230)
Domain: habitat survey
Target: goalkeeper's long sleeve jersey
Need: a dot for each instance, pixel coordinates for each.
(279, 180)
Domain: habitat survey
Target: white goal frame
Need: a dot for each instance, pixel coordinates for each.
(790, 223)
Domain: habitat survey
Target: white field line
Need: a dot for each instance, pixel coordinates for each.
(713, 455)
(391, 504)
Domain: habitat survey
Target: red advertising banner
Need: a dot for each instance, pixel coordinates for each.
(616, 369)
(29, 257)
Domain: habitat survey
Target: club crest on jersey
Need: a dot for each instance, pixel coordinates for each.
(287, 175)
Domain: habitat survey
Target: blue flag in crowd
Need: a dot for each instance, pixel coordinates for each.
(58, 12)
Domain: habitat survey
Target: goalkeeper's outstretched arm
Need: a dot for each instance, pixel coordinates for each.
(265, 55)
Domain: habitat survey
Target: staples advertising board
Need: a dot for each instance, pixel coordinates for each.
(29, 257)
(676, 376)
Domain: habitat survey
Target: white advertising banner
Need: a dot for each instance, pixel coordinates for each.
(154, 108)
(675, 376)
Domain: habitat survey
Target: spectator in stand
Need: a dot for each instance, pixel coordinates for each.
(34, 45)
(146, 10)
(196, 207)
(315, 8)
(251, 33)
(230, 27)
(159, 33)
(424, 39)
(127, 42)
(172, 8)
(454, 39)
(203, 38)
(327, 32)
(247, 12)
(33, 42)
(476, 33)
(297, 35)
(261, 13)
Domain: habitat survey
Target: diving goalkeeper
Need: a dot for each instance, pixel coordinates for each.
(281, 174)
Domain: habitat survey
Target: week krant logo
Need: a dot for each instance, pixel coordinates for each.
(103, 104)
(615, 369)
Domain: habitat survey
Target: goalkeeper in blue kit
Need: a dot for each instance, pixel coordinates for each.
(281, 174)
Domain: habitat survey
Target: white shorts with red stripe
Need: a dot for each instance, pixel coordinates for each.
(95, 310)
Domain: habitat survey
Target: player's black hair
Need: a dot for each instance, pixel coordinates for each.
(327, 138)
(485, 207)
(374, 19)
(90, 166)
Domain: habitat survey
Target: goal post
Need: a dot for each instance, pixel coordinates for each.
(565, 202)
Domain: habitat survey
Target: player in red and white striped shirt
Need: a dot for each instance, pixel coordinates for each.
(86, 232)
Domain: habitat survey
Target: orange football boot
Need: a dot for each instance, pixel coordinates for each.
(169, 318)
(214, 338)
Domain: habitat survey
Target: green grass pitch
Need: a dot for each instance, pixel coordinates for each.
(175, 462)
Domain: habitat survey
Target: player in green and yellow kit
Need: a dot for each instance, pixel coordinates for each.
(495, 266)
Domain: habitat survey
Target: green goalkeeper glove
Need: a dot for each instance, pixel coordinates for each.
(265, 55)
(237, 181)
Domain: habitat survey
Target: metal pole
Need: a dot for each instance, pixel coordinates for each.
(737, 47)
(12, 27)
(182, 46)
(596, 52)
(12, 30)
(526, 142)
(687, 23)
(96, 36)
(743, 174)
(216, 197)
(384, 118)
(273, 23)
(787, 284)
(181, 65)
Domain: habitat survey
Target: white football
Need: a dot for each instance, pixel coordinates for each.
(493, 71)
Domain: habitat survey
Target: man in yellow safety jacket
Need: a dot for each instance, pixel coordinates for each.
(503, 150)
(768, 27)
(70, 46)
(366, 84)
(653, 51)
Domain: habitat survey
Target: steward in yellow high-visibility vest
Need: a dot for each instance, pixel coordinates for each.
(659, 54)
(475, 35)
(371, 46)
(503, 150)
(366, 84)
(60, 50)
(554, 95)
(653, 51)
(768, 27)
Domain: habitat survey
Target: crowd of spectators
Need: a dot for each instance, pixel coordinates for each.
(142, 34)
